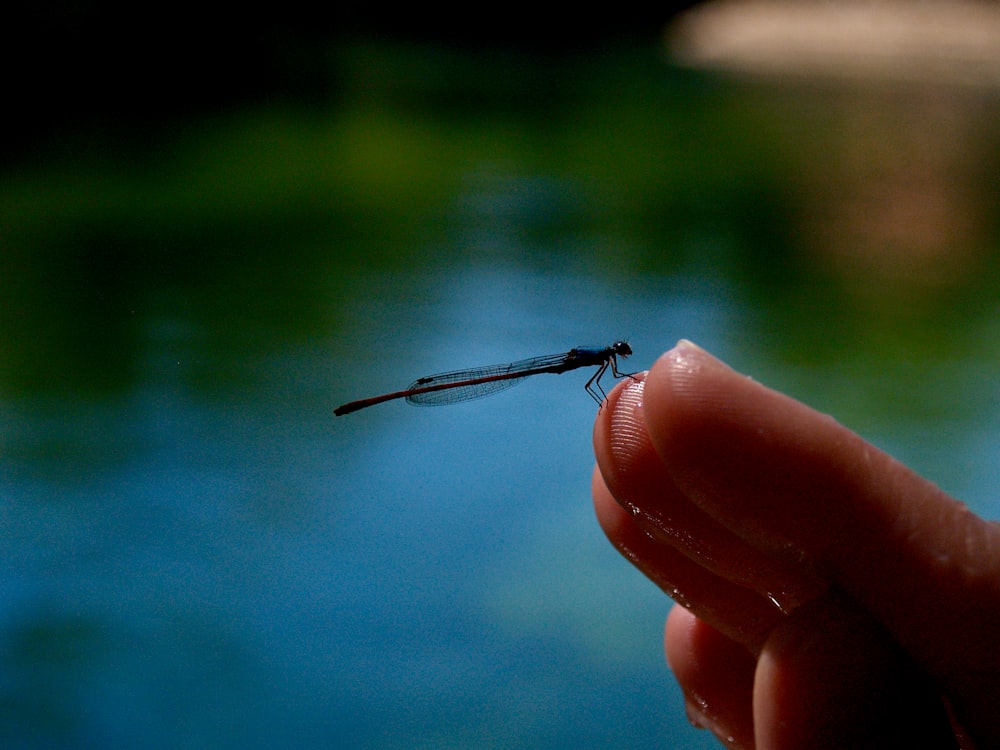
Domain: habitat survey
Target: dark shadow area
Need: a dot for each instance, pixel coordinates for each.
(83, 71)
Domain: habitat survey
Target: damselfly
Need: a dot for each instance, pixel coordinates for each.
(477, 382)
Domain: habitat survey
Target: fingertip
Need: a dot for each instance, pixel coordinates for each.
(716, 675)
(686, 361)
(619, 429)
(682, 384)
(677, 640)
(623, 415)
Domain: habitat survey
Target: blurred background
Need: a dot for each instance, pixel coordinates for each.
(215, 227)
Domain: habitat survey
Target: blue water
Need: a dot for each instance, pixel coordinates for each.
(197, 553)
(245, 570)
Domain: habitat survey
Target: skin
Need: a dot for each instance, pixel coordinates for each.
(827, 596)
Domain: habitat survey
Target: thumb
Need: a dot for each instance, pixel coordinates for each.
(799, 486)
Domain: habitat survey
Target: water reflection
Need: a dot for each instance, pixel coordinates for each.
(197, 553)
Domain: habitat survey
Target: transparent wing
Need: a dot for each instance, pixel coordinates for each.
(463, 392)
(478, 382)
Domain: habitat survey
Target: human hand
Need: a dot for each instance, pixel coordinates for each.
(830, 597)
